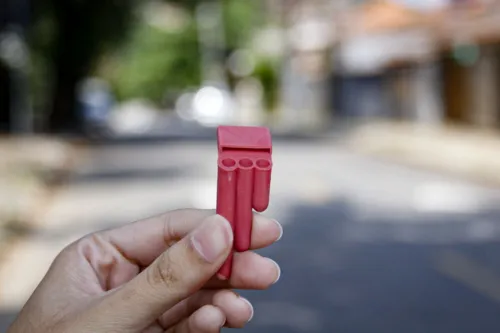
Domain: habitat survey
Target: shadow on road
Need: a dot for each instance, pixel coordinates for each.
(130, 174)
(343, 275)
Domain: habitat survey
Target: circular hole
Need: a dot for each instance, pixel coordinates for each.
(246, 163)
(228, 162)
(264, 164)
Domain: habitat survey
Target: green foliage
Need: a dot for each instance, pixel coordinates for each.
(71, 39)
(153, 61)
(266, 72)
(241, 17)
(67, 39)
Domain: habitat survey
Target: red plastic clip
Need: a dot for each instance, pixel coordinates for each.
(244, 181)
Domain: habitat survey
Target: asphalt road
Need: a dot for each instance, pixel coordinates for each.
(332, 281)
(368, 246)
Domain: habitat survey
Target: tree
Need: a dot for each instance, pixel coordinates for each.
(70, 36)
(72, 39)
(152, 60)
(156, 60)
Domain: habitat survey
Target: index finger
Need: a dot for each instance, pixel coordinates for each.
(143, 241)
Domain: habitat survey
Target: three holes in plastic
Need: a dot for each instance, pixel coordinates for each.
(246, 163)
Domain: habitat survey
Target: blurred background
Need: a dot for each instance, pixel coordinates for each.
(385, 117)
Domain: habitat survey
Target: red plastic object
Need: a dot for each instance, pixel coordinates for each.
(244, 181)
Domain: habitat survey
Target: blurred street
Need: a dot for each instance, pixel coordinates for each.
(386, 125)
(368, 246)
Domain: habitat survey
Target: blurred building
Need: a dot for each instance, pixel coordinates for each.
(306, 65)
(426, 61)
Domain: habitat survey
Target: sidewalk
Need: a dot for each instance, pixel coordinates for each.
(30, 169)
(464, 152)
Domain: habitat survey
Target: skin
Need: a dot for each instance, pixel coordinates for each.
(152, 276)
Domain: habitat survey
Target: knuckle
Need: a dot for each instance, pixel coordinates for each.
(163, 273)
(170, 236)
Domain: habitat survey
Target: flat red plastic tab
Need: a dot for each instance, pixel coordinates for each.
(244, 180)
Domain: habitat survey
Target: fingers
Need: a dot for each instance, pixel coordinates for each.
(208, 319)
(250, 271)
(265, 232)
(173, 276)
(237, 310)
(142, 242)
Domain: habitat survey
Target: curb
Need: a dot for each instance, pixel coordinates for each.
(49, 182)
(464, 152)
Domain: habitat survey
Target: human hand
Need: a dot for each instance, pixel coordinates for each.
(151, 276)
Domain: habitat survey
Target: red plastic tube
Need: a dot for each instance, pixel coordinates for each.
(244, 181)
(226, 200)
(262, 187)
(244, 214)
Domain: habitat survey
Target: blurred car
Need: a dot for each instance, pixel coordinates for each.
(95, 102)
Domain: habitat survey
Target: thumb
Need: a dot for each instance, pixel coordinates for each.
(175, 275)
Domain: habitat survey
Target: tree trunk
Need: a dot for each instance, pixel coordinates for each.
(72, 56)
(5, 100)
(64, 116)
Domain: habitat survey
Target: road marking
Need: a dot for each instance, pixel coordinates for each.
(469, 273)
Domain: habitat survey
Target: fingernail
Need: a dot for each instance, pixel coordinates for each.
(278, 268)
(212, 239)
(281, 230)
(250, 306)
